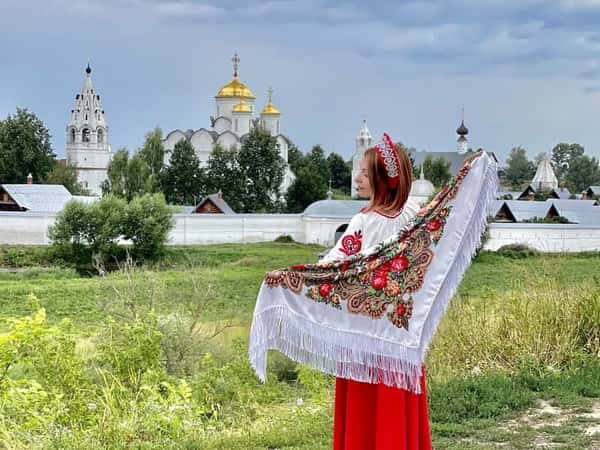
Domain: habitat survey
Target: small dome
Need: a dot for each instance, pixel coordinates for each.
(242, 107)
(462, 130)
(422, 187)
(235, 88)
(270, 109)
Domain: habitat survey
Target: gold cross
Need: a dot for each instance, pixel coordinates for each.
(236, 62)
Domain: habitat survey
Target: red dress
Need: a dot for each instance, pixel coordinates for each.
(375, 416)
(378, 417)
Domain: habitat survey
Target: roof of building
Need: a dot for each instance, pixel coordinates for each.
(334, 208)
(48, 198)
(218, 200)
(595, 190)
(562, 193)
(585, 212)
(527, 210)
(242, 107)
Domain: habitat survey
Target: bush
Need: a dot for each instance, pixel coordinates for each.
(517, 251)
(284, 238)
(146, 223)
(86, 233)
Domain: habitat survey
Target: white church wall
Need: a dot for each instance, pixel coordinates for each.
(222, 124)
(228, 140)
(173, 138)
(283, 147)
(203, 144)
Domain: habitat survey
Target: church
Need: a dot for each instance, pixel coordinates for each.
(88, 145)
(234, 118)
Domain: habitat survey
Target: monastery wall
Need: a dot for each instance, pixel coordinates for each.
(20, 228)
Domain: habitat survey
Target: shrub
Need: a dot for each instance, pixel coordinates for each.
(517, 251)
(146, 223)
(86, 233)
(284, 238)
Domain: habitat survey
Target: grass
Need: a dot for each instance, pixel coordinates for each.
(520, 331)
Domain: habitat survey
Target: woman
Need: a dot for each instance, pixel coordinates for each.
(376, 416)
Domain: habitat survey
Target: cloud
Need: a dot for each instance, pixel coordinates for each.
(186, 9)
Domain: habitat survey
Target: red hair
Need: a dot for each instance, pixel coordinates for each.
(383, 197)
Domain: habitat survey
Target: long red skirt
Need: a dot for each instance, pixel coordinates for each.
(378, 417)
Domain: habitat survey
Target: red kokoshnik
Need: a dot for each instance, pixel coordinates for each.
(387, 154)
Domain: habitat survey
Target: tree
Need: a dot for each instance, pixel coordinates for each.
(24, 148)
(339, 173)
(183, 181)
(562, 155)
(295, 158)
(262, 170)
(153, 154)
(116, 177)
(304, 190)
(315, 159)
(436, 170)
(66, 174)
(127, 177)
(311, 181)
(583, 172)
(519, 170)
(223, 174)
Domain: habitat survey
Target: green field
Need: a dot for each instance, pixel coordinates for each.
(155, 356)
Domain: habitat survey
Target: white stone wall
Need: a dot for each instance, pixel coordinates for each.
(219, 228)
(28, 229)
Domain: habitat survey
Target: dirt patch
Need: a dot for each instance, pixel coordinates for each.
(546, 420)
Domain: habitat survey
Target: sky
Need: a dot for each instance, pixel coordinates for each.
(526, 72)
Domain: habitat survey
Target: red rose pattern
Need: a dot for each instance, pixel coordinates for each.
(399, 263)
(325, 289)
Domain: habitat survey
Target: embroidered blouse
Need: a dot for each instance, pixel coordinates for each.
(370, 228)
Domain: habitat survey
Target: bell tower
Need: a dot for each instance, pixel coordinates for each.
(88, 146)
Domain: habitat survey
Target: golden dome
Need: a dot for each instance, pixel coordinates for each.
(242, 107)
(270, 109)
(235, 88)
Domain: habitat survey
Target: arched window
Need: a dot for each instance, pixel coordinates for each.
(340, 230)
(236, 124)
(72, 135)
(85, 135)
(100, 136)
(278, 127)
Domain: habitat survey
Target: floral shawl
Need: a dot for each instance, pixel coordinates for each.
(370, 317)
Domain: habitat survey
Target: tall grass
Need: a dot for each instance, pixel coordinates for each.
(549, 324)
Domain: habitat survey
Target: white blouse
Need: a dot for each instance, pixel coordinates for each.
(367, 229)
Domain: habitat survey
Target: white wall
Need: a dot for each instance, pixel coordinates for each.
(545, 237)
(27, 228)
(220, 228)
(24, 228)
